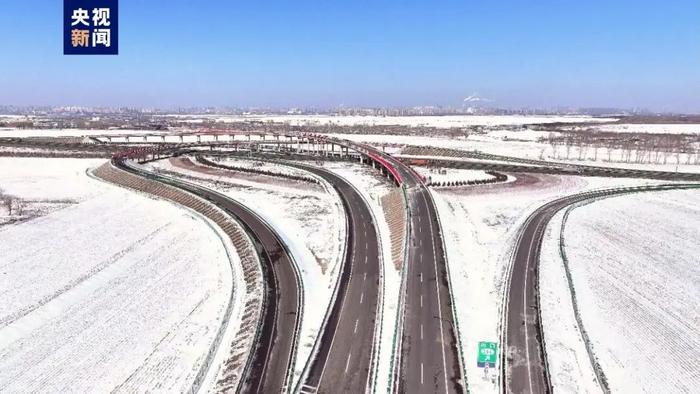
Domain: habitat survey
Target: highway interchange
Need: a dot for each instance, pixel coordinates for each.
(427, 351)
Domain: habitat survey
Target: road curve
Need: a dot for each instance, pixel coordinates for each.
(345, 352)
(559, 169)
(268, 365)
(523, 362)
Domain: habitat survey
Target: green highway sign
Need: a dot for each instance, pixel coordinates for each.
(488, 354)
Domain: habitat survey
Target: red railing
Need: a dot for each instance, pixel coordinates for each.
(388, 166)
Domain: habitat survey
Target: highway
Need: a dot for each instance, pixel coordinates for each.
(523, 364)
(345, 347)
(428, 354)
(268, 365)
(345, 358)
(560, 169)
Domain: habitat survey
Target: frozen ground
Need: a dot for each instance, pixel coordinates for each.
(9, 132)
(481, 225)
(432, 121)
(373, 187)
(570, 367)
(436, 174)
(530, 149)
(637, 281)
(50, 179)
(651, 128)
(117, 292)
(311, 220)
(37, 187)
(261, 165)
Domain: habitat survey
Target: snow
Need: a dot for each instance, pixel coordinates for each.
(514, 147)
(637, 280)
(48, 179)
(481, 225)
(651, 128)
(261, 165)
(446, 121)
(570, 368)
(10, 132)
(439, 174)
(118, 292)
(311, 221)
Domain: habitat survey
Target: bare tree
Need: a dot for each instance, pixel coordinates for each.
(8, 202)
(19, 206)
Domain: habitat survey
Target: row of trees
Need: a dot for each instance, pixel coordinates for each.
(497, 177)
(629, 148)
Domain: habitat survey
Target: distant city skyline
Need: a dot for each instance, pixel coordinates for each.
(622, 54)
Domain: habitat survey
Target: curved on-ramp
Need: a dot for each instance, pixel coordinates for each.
(269, 365)
(523, 359)
(346, 354)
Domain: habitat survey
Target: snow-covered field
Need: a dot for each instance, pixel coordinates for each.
(651, 128)
(261, 165)
(515, 147)
(117, 292)
(311, 221)
(434, 174)
(570, 367)
(637, 281)
(431, 121)
(9, 132)
(481, 225)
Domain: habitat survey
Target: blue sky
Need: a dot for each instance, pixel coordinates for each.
(371, 53)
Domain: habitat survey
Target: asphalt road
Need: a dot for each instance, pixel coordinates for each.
(523, 362)
(563, 169)
(273, 351)
(428, 352)
(345, 357)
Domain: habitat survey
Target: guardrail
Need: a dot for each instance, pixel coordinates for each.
(295, 267)
(400, 310)
(597, 369)
(575, 199)
(452, 300)
(111, 173)
(386, 165)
